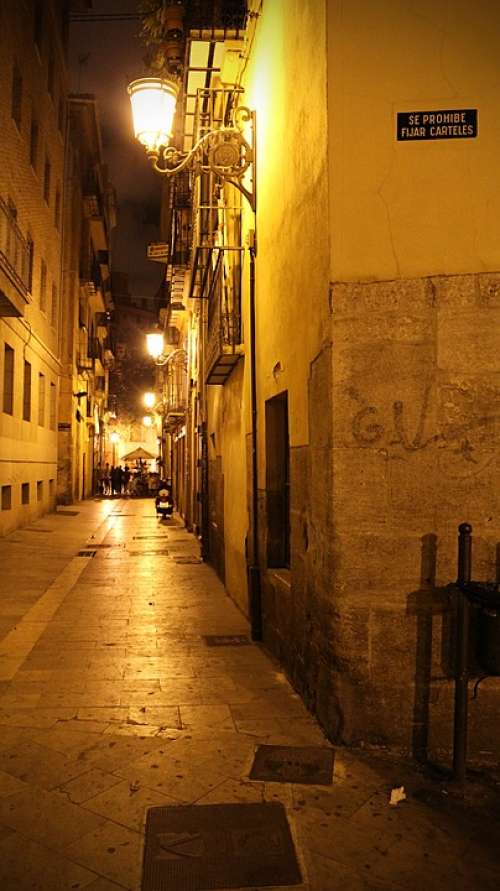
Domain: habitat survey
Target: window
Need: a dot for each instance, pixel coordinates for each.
(54, 306)
(277, 481)
(27, 392)
(8, 380)
(43, 285)
(60, 115)
(41, 399)
(46, 180)
(57, 210)
(39, 490)
(52, 420)
(38, 24)
(50, 73)
(17, 96)
(31, 248)
(6, 497)
(25, 493)
(52, 488)
(34, 143)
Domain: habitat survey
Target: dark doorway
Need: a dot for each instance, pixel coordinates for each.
(278, 481)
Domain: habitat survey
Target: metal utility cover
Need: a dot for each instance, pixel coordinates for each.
(204, 847)
(226, 640)
(86, 553)
(309, 765)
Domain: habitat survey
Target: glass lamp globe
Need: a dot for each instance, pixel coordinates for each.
(155, 344)
(153, 103)
(149, 400)
(147, 421)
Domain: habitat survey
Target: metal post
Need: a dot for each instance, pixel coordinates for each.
(462, 653)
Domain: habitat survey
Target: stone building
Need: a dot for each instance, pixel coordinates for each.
(346, 328)
(86, 342)
(32, 125)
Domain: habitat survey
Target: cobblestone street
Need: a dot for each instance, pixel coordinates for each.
(112, 701)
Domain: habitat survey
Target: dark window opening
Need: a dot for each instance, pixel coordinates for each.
(6, 497)
(17, 96)
(278, 481)
(25, 493)
(34, 144)
(38, 23)
(8, 380)
(39, 490)
(27, 392)
(46, 180)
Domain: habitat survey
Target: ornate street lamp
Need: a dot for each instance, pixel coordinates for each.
(149, 400)
(224, 151)
(155, 344)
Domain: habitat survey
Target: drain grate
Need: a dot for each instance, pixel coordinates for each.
(309, 765)
(218, 846)
(86, 553)
(117, 545)
(149, 537)
(36, 529)
(193, 560)
(148, 553)
(226, 640)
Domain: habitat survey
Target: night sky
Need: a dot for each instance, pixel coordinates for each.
(104, 58)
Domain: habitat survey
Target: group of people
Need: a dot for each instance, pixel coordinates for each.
(113, 480)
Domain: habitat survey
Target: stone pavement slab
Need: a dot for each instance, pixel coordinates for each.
(111, 702)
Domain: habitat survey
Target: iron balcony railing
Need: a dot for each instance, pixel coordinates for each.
(175, 384)
(224, 334)
(15, 251)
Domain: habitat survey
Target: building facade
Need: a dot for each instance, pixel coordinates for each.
(33, 87)
(86, 342)
(345, 326)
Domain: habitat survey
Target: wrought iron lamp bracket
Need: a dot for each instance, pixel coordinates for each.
(224, 152)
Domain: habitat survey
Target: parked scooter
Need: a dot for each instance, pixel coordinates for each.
(163, 502)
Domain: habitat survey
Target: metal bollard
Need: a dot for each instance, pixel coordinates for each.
(462, 655)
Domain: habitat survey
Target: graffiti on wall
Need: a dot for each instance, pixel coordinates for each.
(471, 438)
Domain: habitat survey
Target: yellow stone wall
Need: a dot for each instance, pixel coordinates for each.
(404, 209)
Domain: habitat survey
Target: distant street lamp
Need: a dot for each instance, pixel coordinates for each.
(115, 438)
(147, 420)
(149, 400)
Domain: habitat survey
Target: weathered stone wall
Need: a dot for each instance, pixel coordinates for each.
(404, 417)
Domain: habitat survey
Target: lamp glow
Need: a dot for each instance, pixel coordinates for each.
(147, 421)
(153, 103)
(155, 344)
(115, 437)
(149, 400)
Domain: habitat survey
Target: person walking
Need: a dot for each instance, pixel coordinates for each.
(126, 480)
(106, 480)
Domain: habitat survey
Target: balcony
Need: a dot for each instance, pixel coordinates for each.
(15, 265)
(224, 336)
(175, 387)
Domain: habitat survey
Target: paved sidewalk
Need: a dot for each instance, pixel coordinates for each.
(111, 702)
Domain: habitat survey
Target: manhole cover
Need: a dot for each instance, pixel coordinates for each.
(66, 513)
(218, 846)
(86, 553)
(289, 764)
(226, 640)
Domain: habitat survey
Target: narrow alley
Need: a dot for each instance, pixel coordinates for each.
(129, 682)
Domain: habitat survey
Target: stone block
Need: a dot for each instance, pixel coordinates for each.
(354, 299)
